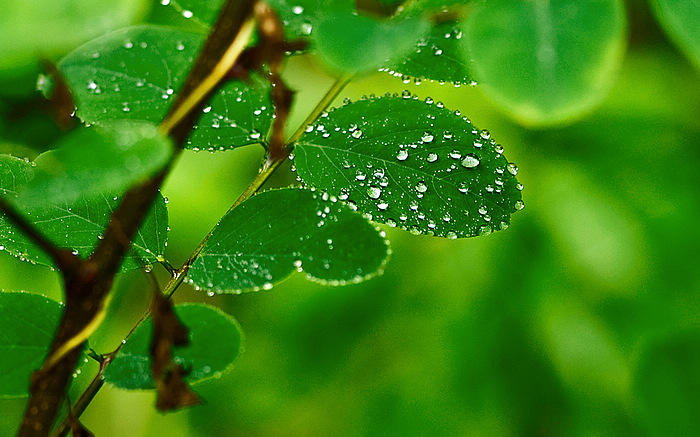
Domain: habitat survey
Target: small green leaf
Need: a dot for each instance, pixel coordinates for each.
(353, 43)
(75, 225)
(546, 61)
(681, 20)
(27, 326)
(301, 17)
(89, 161)
(438, 56)
(412, 164)
(293, 229)
(667, 386)
(215, 343)
(135, 72)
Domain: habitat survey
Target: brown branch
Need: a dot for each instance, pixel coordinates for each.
(87, 289)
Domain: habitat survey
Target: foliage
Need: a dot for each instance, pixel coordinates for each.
(552, 300)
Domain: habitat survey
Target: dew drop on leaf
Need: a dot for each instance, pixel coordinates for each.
(402, 155)
(432, 157)
(427, 137)
(470, 161)
(374, 192)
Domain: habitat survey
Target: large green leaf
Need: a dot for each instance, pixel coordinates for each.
(27, 326)
(32, 29)
(353, 43)
(546, 61)
(135, 72)
(667, 386)
(411, 164)
(276, 232)
(681, 20)
(215, 342)
(76, 225)
(93, 160)
(438, 56)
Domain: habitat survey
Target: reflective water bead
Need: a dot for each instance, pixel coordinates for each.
(470, 161)
(374, 192)
(432, 157)
(402, 155)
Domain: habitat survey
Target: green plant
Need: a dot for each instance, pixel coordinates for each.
(395, 159)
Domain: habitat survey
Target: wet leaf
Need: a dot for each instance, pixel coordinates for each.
(27, 326)
(353, 43)
(276, 232)
(301, 17)
(438, 56)
(215, 342)
(681, 20)
(135, 72)
(75, 225)
(412, 164)
(93, 160)
(546, 62)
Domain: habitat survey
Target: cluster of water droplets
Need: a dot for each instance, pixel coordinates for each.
(412, 188)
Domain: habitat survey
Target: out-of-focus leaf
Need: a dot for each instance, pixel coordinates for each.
(411, 164)
(134, 73)
(276, 232)
(301, 17)
(90, 161)
(681, 20)
(32, 29)
(215, 342)
(76, 225)
(545, 62)
(27, 326)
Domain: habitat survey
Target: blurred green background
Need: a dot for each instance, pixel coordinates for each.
(583, 318)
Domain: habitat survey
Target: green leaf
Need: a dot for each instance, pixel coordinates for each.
(135, 72)
(681, 20)
(276, 232)
(215, 343)
(667, 386)
(27, 326)
(301, 17)
(438, 56)
(93, 160)
(546, 62)
(353, 43)
(412, 164)
(76, 225)
(198, 15)
(35, 29)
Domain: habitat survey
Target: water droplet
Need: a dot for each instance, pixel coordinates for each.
(297, 10)
(382, 206)
(125, 107)
(519, 205)
(406, 94)
(452, 235)
(306, 28)
(378, 173)
(374, 192)
(483, 210)
(187, 14)
(455, 154)
(429, 100)
(427, 137)
(485, 134)
(447, 135)
(470, 161)
(421, 187)
(484, 230)
(512, 168)
(463, 187)
(432, 157)
(356, 134)
(519, 186)
(360, 176)
(180, 46)
(402, 155)
(254, 134)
